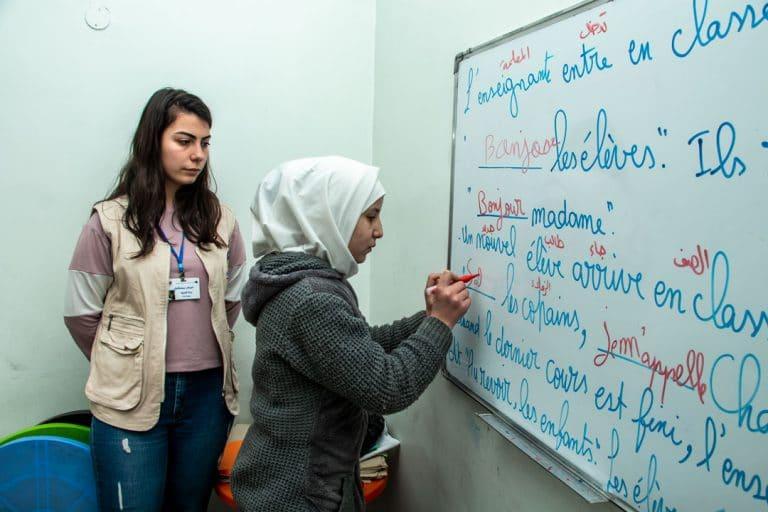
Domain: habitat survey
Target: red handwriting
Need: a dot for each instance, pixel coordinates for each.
(516, 58)
(594, 29)
(498, 208)
(597, 249)
(524, 150)
(542, 286)
(555, 241)
(698, 262)
(479, 270)
(629, 347)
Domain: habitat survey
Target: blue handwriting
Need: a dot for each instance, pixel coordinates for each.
(737, 166)
(510, 86)
(569, 380)
(606, 155)
(563, 218)
(722, 315)
(715, 30)
(601, 403)
(746, 389)
(643, 55)
(647, 423)
(538, 312)
(590, 60)
(599, 276)
(538, 261)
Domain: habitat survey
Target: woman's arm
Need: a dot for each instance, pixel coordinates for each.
(88, 278)
(236, 275)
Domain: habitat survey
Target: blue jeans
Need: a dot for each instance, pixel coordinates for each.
(173, 465)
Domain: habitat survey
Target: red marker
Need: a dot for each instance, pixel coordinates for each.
(464, 279)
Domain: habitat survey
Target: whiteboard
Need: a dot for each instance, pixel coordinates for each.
(608, 180)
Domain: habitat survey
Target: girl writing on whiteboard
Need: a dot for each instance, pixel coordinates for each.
(152, 295)
(319, 367)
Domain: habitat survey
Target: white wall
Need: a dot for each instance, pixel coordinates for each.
(283, 79)
(449, 459)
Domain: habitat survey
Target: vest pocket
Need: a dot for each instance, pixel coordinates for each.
(117, 363)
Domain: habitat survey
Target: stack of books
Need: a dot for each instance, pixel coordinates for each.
(373, 468)
(373, 464)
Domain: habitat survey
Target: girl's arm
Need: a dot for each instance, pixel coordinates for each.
(334, 347)
(389, 336)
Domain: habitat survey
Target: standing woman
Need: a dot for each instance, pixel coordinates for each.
(152, 295)
(319, 367)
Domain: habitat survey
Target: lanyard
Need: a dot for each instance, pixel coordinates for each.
(178, 255)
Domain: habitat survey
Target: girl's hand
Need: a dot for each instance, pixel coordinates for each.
(429, 299)
(449, 300)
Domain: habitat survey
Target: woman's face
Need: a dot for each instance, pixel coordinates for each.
(367, 231)
(184, 148)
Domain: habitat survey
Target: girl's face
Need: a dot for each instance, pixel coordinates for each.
(367, 231)
(184, 149)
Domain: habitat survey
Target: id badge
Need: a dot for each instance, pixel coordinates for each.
(187, 289)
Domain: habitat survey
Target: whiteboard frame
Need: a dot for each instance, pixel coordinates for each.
(588, 488)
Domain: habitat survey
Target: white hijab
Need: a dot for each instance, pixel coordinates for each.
(312, 205)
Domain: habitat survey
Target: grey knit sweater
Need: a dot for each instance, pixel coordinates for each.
(318, 367)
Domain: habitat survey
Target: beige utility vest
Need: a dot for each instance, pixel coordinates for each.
(126, 384)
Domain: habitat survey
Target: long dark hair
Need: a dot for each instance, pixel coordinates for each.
(142, 178)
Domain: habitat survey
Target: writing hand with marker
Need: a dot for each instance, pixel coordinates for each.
(446, 297)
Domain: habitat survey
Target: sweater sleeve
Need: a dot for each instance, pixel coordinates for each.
(334, 348)
(236, 275)
(88, 278)
(389, 336)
